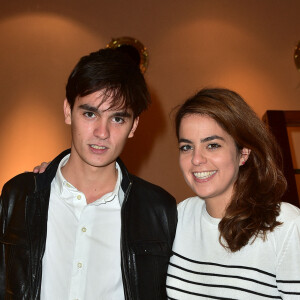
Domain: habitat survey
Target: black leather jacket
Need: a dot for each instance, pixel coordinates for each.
(149, 218)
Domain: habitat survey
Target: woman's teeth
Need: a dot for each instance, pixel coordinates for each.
(204, 175)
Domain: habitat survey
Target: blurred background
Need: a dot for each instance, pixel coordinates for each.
(247, 46)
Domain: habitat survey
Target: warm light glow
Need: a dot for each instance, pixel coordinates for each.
(37, 54)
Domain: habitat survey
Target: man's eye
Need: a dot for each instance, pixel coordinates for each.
(89, 114)
(213, 146)
(118, 120)
(185, 148)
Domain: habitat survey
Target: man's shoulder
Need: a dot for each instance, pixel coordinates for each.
(27, 182)
(22, 182)
(151, 189)
(147, 200)
(15, 192)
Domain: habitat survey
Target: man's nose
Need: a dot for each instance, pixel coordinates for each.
(101, 130)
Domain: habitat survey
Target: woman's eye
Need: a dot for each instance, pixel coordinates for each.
(213, 146)
(89, 114)
(185, 148)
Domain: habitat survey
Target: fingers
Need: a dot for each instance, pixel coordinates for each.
(41, 168)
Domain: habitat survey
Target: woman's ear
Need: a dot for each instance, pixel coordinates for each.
(245, 152)
(134, 127)
(67, 112)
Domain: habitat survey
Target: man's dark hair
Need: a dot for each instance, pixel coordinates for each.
(114, 73)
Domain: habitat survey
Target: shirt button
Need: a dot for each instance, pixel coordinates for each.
(79, 265)
(79, 197)
(68, 185)
(83, 229)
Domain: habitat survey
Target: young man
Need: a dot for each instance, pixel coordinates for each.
(86, 228)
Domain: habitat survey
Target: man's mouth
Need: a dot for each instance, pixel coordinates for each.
(204, 175)
(98, 147)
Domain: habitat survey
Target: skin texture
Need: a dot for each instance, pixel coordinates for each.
(210, 161)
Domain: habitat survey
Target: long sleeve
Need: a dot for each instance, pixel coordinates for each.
(288, 268)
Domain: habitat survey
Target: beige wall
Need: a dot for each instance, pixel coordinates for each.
(243, 45)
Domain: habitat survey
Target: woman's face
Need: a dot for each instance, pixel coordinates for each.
(209, 158)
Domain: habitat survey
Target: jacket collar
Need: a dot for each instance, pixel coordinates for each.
(46, 178)
(126, 176)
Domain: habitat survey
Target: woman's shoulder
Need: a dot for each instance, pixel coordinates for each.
(190, 206)
(287, 236)
(289, 217)
(288, 213)
(191, 202)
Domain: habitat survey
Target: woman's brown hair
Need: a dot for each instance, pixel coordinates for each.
(255, 202)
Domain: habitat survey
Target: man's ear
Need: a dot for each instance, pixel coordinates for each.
(245, 152)
(67, 112)
(134, 127)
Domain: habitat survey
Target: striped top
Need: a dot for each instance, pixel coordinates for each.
(201, 268)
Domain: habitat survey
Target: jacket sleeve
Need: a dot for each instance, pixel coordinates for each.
(7, 203)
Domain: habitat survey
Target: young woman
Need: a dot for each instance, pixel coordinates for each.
(235, 239)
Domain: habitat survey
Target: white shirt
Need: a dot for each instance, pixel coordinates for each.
(201, 268)
(82, 257)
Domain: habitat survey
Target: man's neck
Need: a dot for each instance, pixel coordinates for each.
(94, 182)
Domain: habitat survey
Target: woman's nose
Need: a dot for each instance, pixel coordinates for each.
(198, 158)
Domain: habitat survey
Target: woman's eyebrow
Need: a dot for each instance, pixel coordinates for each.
(184, 141)
(211, 138)
(207, 139)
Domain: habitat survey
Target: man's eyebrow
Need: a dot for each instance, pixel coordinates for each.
(121, 113)
(88, 107)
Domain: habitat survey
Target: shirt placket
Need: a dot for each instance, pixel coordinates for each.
(79, 268)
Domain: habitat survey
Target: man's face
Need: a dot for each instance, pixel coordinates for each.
(99, 133)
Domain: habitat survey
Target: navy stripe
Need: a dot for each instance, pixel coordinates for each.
(224, 266)
(226, 287)
(196, 294)
(288, 281)
(289, 293)
(222, 275)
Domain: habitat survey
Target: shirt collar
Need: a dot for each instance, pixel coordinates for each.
(61, 183)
